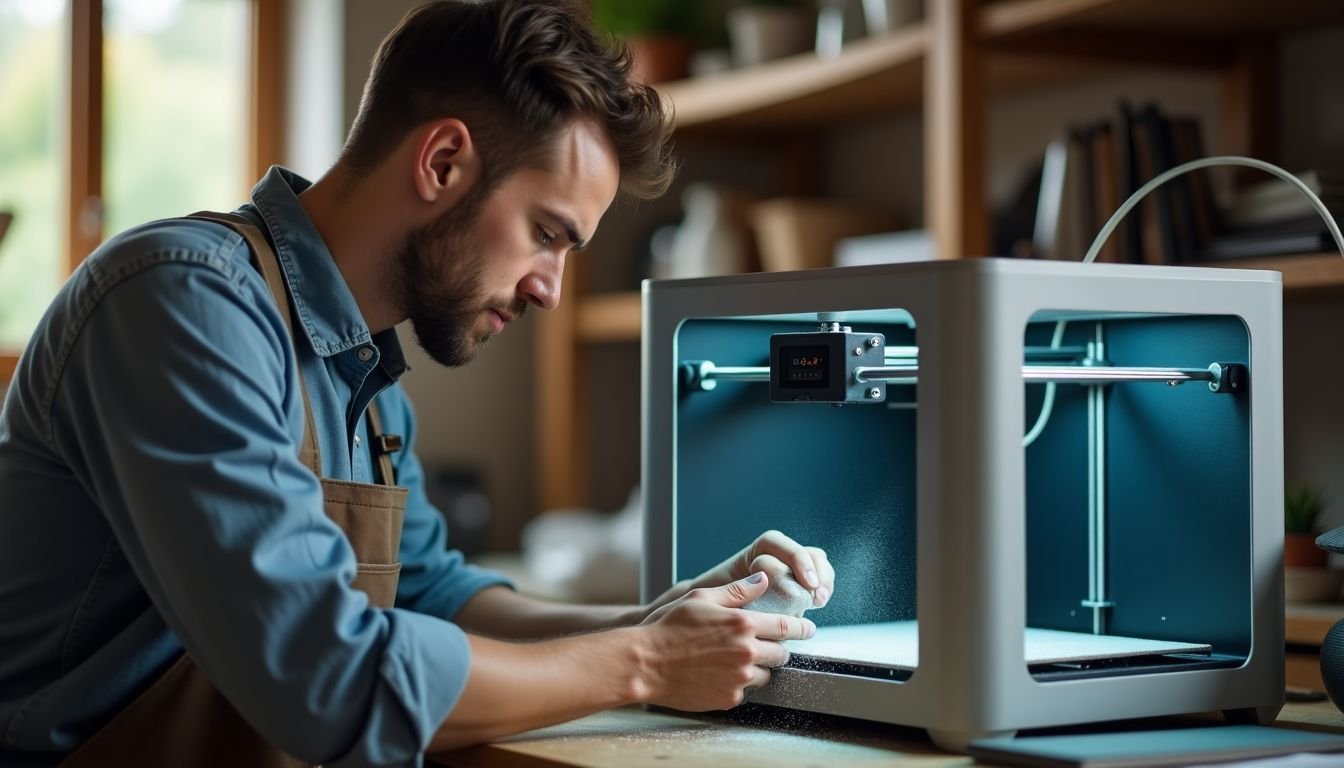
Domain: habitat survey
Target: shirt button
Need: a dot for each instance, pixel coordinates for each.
(365, 354)
(356, 439)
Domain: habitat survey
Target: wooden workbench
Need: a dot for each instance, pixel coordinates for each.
(634, 738)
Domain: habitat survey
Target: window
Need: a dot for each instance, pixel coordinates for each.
(116, 112)
(32, 263)
(175, 108)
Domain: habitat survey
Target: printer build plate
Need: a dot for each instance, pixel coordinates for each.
(895, 645)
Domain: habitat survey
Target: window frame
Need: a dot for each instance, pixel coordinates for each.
(82, 167)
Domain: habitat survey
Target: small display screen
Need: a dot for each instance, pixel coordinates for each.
(805, 367)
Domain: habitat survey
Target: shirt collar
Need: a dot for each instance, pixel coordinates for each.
(390, 357)
(323, 303)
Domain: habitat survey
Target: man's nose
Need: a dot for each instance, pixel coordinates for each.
(541, 287)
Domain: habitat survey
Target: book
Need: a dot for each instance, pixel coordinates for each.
(1152, 125)
(1188, 142)
(1105, 195)
(1180, 197)
(1084, 212)
(1275, 200)
(1252, 243)
(1075, 209)
(1153, 152)
(1092, 170)
(1153, 248)
(1276, 190)
(1045, 233)
(1128, 182)
(1065, 211)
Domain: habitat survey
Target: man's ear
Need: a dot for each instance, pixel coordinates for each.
(446, 163)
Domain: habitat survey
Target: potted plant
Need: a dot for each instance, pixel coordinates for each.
(1302, 508)
(658, 33)
(761, 30)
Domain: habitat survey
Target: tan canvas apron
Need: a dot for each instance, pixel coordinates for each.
(182, 719)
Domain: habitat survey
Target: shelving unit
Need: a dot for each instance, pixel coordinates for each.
(887, 73)
(944, 67)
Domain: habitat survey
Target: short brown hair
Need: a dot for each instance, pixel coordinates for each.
(516, 72)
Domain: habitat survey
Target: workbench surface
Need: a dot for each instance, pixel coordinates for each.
(635, 738)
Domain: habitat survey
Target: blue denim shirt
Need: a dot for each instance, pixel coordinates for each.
(151, 499)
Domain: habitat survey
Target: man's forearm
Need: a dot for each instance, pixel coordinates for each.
(501, 613)
(562, 679)
(696, 653)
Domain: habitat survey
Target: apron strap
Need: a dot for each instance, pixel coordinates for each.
(381, 447)
(269, 263)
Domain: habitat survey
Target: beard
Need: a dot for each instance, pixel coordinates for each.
(439, 285)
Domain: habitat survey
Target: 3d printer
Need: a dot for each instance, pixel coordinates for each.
(1052, 491)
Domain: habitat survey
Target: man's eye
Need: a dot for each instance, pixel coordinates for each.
(544, 237)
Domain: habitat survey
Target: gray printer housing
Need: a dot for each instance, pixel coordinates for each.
(935, 512)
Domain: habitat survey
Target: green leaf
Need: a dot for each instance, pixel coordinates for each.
(1302, 506)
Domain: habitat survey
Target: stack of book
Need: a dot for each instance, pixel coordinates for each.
(1272, 218)
(1089, 172)
(1092, 169)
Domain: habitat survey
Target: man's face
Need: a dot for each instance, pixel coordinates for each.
(465, 277)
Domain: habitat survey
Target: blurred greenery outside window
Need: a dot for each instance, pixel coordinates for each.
(175, 104)
(32, 253)
(175, 117)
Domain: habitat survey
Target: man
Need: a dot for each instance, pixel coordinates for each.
(200, 539)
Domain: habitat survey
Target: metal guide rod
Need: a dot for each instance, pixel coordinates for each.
(713, 372)
(1097, 600)
(1095, 374)
(1031, 353)
(907, 374)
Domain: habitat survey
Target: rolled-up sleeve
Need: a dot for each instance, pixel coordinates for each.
(180, 405)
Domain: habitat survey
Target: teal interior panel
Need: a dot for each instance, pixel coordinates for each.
(842, 478)
(1179, 488)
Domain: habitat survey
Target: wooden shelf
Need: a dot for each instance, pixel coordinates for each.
(1305, 272)
(869, 75)
(1307, 623)
(1027, 37)
(604, 317)
(1193, 18)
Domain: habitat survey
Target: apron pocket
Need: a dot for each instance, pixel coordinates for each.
(379, 582)
(370, 516)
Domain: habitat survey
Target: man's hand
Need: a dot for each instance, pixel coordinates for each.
(703, 652)
(775, 554)
(698, 652)
(503, 614)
